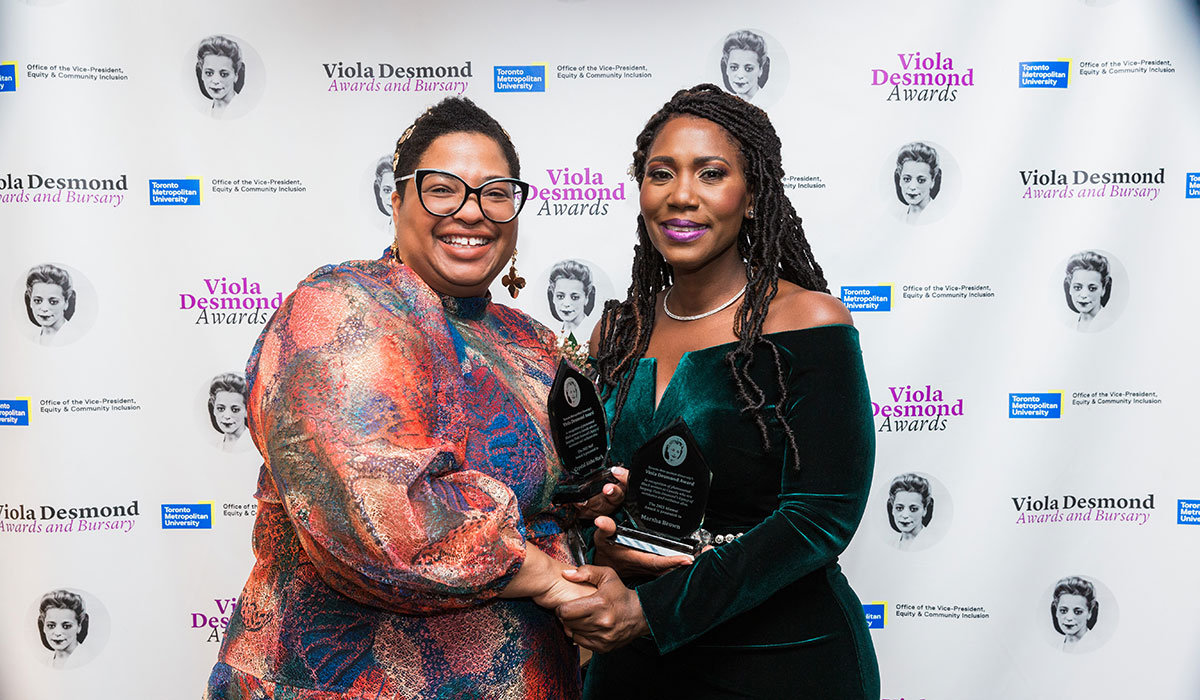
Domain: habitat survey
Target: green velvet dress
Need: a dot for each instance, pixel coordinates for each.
(768, 615)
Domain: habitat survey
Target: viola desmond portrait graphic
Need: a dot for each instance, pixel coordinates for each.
(909, 508)
(1088, 287)
(50, 303)
(229, 76)
(571, 295)
(383, 186)
(1074, 612)
(918, 179)
(220, 72)
(745, 65)
(227, 394)
(63, 624)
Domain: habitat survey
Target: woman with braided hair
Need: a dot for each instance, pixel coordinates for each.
(728, 324)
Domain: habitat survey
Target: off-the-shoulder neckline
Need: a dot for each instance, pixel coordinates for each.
(689, 357)
(768, 336)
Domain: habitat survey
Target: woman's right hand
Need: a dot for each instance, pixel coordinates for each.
(563, 591)
(628, 562)
(541, 578)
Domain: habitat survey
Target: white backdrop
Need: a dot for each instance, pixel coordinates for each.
(110, 419)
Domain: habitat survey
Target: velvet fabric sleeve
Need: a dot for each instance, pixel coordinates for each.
(820, 503)
(355, 406)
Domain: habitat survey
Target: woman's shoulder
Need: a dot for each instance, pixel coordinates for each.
(333, 294)
(795, 308)
(382, 281)
(349, 272)
(333, 289)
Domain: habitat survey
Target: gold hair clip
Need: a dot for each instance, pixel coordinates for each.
(404, 137)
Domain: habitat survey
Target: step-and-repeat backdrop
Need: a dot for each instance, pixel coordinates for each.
(1006, 195)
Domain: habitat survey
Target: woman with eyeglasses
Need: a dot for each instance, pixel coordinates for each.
(406, 543)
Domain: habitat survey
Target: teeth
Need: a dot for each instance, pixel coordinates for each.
(469, 241)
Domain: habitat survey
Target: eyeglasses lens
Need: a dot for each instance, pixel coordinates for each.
(443, 194)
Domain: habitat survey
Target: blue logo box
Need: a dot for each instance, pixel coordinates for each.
(519, 78)
(875, 615)
(1044, 74)
(8, 77)
(175, 193)
(1035, 405)
(1189, 512)
(863, 298)
(1193, 185)
(187, 516)
(14, 411)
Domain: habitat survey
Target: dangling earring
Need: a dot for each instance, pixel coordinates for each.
(512, 280)
(396, 253)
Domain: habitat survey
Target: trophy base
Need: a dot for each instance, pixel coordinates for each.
(583, 487)
(656, 544)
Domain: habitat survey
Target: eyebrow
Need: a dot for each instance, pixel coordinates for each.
(700, 160)
(486, 178)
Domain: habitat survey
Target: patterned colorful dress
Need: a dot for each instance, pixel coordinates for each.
(407, 464)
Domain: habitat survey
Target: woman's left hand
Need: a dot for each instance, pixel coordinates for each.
(608, 619)
(629, 562)
(608, 500)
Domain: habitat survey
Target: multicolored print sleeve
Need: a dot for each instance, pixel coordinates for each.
(356, 404)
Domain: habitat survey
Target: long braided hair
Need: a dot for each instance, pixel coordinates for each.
(772, 244)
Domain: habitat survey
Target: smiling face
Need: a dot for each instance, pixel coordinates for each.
(694, 194)
(1086, 288)
(742, 70)
(1072, 613)
(229, 412)
(916, 180)
(218, 75)
(61, 628)
(462, 253)
(49, 305)
(908, 510)
(569, 300)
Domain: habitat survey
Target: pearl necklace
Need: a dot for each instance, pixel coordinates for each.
(706, 314)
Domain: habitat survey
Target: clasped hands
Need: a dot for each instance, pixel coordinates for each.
(611, 617)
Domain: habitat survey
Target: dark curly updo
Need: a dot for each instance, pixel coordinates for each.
(453, 115)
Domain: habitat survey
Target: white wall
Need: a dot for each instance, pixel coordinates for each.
(131, 343)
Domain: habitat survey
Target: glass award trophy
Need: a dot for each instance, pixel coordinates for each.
(667, 494)
(580, 432)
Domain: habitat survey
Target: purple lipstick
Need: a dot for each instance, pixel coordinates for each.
(683, 230)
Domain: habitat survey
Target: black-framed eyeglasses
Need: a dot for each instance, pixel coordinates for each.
(442, 193)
